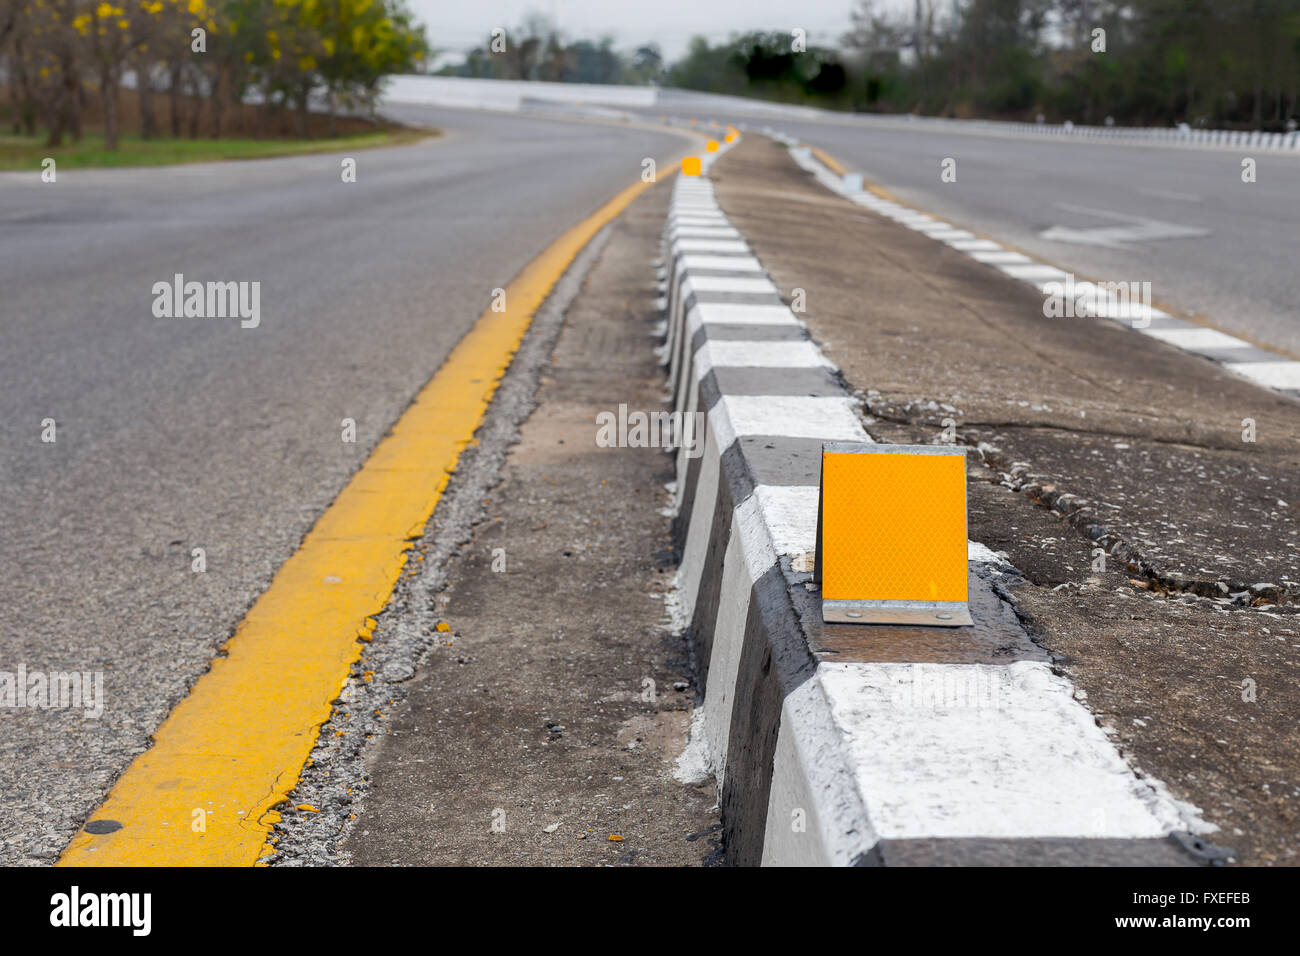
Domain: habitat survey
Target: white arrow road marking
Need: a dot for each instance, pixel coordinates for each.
(1140, 229)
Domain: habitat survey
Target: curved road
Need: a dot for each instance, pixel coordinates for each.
(174, 434)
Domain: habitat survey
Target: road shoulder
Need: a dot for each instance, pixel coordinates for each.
(549, 714)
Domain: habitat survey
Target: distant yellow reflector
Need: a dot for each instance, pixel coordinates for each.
(730, 137)
(690, 166)
(891, 545)
(712, 146)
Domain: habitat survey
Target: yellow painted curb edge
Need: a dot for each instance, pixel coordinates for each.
(829, 161)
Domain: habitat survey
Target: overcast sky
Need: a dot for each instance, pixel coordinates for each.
(458, 26)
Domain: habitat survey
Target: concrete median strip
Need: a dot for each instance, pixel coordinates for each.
(1259, 366)
(835, 744)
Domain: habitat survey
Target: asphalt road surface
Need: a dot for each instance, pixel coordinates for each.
(1209, 244)
(176, 434)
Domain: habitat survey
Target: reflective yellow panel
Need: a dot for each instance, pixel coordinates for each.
(893, 526)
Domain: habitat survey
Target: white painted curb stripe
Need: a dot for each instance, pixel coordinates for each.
(719, 263)
(813, 781)
(732, 313)
(718, 246)
(1283, 375)
(1194, 339)
(733, 353)
(702, 232)
(792, 416)
(737, 284)
(1034, 272)
(998, 257)
(1008, 752)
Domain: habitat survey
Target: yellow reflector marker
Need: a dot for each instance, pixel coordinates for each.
(712, 146)
(690, 166)
(730, 137)
(891, 534)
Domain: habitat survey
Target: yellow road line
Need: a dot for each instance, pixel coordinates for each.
(234, 747)
(829, 161)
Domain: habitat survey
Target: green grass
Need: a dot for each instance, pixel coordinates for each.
(26, 152)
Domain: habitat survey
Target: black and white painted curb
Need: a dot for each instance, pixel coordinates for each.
(826, 755)
(1238, 356)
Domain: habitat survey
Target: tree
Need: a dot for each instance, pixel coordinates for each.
(646, 66)
(283, 50)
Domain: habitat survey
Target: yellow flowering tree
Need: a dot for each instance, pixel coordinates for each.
(43, 63)
(282, 53)
(107, 31)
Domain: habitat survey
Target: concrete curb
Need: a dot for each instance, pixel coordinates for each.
(1238, 356)
(831, 755)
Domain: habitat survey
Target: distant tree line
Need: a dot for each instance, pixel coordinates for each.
(770, 66)
(1229, 63)
(1132, 62)
(55, 54)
